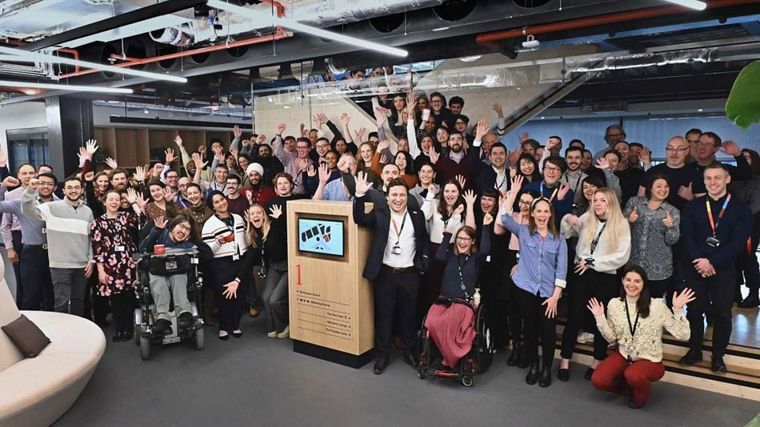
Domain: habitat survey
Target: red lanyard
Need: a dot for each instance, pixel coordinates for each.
(713, 223)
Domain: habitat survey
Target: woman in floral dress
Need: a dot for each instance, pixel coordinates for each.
(113, 243)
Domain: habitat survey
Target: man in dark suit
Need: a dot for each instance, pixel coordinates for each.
(396, 259)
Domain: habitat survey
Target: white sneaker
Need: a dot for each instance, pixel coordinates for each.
(272, 334)
(285, 333)
(585, 337)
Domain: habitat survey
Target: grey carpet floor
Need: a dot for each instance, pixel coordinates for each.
(259, 381)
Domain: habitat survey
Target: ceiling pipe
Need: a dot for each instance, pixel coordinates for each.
(278, 35)
(490, 39)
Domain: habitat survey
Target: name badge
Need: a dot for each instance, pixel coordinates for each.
(44, 230)
(235, 257)
(488, 258)
(119, 248)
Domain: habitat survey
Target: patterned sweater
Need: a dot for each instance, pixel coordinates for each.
(647, 342)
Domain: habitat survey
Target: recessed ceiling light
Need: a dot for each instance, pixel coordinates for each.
(691, 4)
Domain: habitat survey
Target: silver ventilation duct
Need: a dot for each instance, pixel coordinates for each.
(319, 13)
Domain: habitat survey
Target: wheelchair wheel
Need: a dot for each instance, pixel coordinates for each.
(138, 321)
(138, 332)
(144, 348)
(200, 339)
(484, 342)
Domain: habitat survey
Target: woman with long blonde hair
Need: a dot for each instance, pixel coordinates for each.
(256, 233)
(604, 246)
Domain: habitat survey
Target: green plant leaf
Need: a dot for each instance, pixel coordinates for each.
(743, 105)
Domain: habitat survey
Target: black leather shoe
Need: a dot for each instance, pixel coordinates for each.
(117, 336)
(691, 357)
(516, 355)
(237, 334)
(718, 365)
(411, 360)
(532, 376)
(749, 302)
(563, 375)
(545, 377)
(380, 364)
(185, 320)
(162, 327)
(589, 373)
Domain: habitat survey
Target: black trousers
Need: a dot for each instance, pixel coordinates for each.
(590, 284)
(122, 309)
(661, 288)
(496, 290)
(716, 295)
(96, 307)
(19, 248)
(395, 301)
(35, 270)
(536, 326)
(230, 310)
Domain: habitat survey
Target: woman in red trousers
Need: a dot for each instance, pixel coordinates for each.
(635, 322)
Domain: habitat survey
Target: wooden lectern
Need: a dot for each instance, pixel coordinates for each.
(331, 304)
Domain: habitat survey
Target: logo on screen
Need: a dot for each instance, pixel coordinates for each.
(318, 237)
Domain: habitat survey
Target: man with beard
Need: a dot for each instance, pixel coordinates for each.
(612, 135)
(236, 202)
(494, 175)
(257, 191)
(181, 198)
(573, 175)
(453, 164)
(67, 224)
(35, 270)
(119, 180)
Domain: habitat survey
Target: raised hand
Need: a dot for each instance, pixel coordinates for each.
(646, 156)
(524, 137)
(563, 190)
(686, 192)
(680, 300)
(169, 194)
(497, 108)
(304, 131)
(322, 118)
(111, 163)
(218, 152)
(512, 172)
(487, 219)
(139, 175)
(434, 155)
(131, 195)
(89, 176)
(633, 216)
(382, 146)
(481, 130)
(668, 220)
(470, 197)
(602, 163)
(235, 152)
(198, 160)
(517, 183)
(345, 119)
(178, 141)
(384, 159)
(595, 307)
(11, 182)
(731, 148)
(262, 139)
(324, 173)
(281, 127)
(461, 180)
(458, 211)
(551, 144)
(169, 156)
(91, 145)
(302, 164)
(360, 134)
(237, 132)
(141, 202)
(311, 170)
(432, 189)
(315, 119)
(83, 156)
(160, 222)
(362, 185)
(275, 211)
(573, 220)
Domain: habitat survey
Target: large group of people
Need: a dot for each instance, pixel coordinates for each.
(618, 246)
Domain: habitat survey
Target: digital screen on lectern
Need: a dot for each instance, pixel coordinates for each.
(321, 236)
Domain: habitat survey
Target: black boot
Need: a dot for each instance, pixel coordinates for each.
(532, 376)
(750, 302)
(523, 361)
(516, 355)
(545, 377)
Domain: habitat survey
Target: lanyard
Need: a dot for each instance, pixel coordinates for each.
(596, 239)
(631, 327)
(554, 193)
(461, 275)
(713, 223)
(231, 228)
(398, 230)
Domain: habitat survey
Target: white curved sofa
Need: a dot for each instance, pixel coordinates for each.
(37, 391)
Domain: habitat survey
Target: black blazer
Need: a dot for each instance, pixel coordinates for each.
(379, 219)
(482, 174)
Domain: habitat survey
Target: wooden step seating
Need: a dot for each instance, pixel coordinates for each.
(742, 362)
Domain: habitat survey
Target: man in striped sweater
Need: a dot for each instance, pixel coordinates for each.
(67, 224)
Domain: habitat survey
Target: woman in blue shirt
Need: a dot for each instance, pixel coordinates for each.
(540, 278)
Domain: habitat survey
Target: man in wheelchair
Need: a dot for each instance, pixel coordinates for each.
(450, 321)
(166, 285)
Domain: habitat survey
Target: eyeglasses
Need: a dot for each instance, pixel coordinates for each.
(614, 135)
(548, 168)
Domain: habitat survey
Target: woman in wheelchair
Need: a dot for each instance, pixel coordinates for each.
(450, 321)
(176, 234)
(540, 278)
